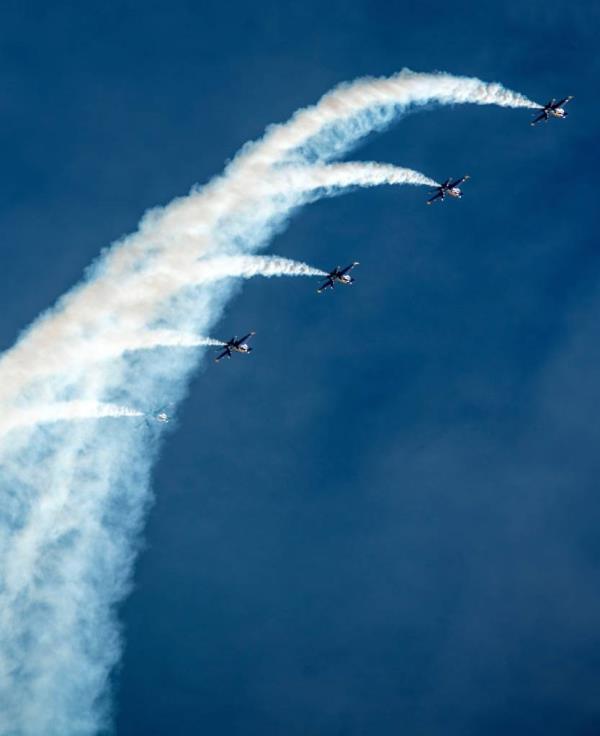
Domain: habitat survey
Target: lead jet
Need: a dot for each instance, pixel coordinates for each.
(235, 346)
(448, 188)
(553, 109)
(338, 276)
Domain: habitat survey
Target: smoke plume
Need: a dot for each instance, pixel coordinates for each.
(74, 495)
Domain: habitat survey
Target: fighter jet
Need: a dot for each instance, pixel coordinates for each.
(448, 188)
(553, 109)
(235, 346)
(338, 276)
(157, 416)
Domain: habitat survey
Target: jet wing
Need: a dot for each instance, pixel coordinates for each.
(226, 352)
(564, 101)
(243, 339)
(541, 116)
(348, 268)
(458, 181)
(437, 196)
(327, 285)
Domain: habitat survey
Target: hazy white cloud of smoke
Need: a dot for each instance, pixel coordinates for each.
(76, 450)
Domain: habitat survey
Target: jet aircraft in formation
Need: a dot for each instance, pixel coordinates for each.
(448, 188)
(162, 417)
(236, 346)
(338, 276)
(553, 109)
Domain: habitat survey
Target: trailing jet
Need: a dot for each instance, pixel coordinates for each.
(235, 346)
(448, 188)
(553, 109)
(338, 276)
(162, 417)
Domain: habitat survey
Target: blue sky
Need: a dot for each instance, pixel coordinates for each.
(386, 518)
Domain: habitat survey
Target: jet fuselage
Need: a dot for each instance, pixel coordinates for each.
(560, 112)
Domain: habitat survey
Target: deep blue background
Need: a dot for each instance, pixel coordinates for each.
(385, 520)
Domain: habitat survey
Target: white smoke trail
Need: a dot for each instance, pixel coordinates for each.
(72, 496)
(155, 339)
(69, 411)
(337, 176)
(353, 110)
(20, 368)
(246, 267)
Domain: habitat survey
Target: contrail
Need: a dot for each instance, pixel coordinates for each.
(20, 368)
(353, 110)
(246, 267)
(340, 176)
(156, 339)
(62, 411)
(72, 495)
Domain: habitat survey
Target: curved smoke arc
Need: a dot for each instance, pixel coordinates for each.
(73, 496)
